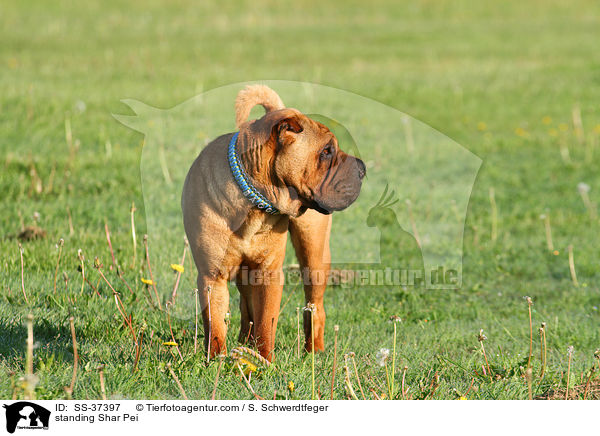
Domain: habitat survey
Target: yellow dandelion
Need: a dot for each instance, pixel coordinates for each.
(170, 343)
(462, 397)
(556, 252)
(248, 366)
(147, 282)
(177, 267)
(521, 132)
(249, 359)
(563, 127)
(553, 132)
(291, 386)
(597, 128)
(481, 126)
(547, 120)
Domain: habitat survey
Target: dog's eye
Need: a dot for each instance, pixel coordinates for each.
(327, 152)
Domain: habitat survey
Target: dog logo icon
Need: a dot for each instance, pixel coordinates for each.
(26, 415)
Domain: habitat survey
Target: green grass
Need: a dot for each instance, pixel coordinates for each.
(452, 65)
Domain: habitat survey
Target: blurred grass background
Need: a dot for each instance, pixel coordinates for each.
(502, 79)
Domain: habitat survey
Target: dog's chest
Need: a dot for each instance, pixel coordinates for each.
(260, 238)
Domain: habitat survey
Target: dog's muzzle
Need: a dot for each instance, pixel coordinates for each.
(341, 186)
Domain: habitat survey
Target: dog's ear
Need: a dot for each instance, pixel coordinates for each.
(291, 124)
(275, 129)
(285, 131)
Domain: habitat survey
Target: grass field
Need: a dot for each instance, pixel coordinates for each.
(505, 80)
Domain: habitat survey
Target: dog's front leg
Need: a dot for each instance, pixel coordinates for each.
(246, 312)
(214, 301)
(310, 236)
(266, 300)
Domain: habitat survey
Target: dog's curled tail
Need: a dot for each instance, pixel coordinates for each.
(250, 97)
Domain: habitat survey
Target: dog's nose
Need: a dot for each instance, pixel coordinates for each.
(362, 169)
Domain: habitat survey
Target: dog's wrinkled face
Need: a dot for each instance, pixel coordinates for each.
(309, 161)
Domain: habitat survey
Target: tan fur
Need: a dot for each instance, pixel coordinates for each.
(280, 153)
(250, 97)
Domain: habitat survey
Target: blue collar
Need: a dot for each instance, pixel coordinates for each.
(249, 191)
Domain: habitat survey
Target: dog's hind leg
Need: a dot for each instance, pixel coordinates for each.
(310, 236)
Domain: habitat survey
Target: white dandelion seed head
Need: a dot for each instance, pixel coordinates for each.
(310, 307)
(80, 106)
(382, 356)
(583, 188)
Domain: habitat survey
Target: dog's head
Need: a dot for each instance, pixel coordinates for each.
(301, 160)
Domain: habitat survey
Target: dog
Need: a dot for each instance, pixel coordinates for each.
(243, 193)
